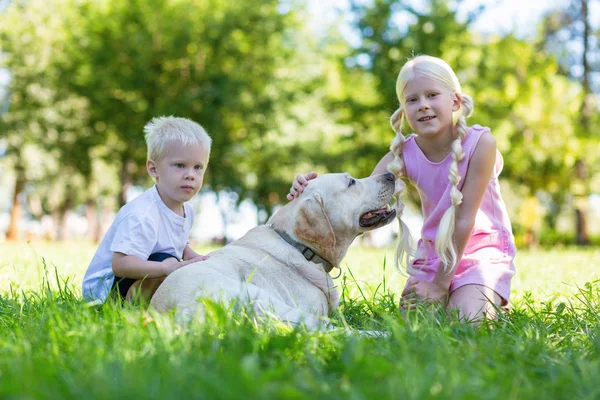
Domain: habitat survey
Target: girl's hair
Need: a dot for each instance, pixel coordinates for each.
(433, 68)
(163, 130)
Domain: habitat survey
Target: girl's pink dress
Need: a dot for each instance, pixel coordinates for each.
(488, 257)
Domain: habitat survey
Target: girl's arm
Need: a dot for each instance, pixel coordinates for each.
(381, 167)
(299, 184)
(302, 179)
(479, 173)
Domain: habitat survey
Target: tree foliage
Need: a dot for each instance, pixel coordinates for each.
(215, 62)
(277, 98)
(518, 91)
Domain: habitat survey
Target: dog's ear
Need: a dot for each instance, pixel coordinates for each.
(312, 223)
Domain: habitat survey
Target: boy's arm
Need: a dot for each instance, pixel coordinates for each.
(128, 266)
(191, 255)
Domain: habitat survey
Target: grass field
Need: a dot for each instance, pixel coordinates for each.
(54, 346)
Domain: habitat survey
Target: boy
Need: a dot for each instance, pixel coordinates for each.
(150, 234)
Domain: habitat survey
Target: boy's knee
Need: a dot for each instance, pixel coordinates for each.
(142, 290)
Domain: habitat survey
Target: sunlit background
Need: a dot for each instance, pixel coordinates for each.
(285, 87)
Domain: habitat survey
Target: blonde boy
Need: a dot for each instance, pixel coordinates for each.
(149, 237)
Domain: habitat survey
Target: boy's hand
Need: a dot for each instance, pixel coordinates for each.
(199, 257)
(172, 264)
(299, 184)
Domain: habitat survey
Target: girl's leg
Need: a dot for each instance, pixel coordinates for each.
(475, 302)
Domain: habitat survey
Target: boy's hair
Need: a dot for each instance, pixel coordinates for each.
(438, 70)
(163, 130)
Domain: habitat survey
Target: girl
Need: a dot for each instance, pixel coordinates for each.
(465, 255)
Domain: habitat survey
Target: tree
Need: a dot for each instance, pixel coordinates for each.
(389, 33)
(532, 112)
(41, 118)
(212, 61)
(569, 33)
(220, 63)
(518, 93)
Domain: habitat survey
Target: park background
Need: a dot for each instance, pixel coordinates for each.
(285, 87)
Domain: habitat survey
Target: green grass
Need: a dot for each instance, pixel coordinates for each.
(54, 346)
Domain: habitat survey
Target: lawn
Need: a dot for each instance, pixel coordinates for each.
(54, 346)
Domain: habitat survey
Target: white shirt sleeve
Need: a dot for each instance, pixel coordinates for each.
(135, 235)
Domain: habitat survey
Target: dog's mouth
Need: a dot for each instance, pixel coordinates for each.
(378, 217)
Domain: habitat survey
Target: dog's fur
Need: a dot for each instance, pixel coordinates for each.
(263, 270)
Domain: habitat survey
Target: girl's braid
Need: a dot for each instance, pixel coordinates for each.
(444, 242)
(396, 167)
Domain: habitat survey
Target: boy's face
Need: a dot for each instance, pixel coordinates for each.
(179, 174)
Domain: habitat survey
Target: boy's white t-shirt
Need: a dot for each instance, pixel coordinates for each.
(142, 227)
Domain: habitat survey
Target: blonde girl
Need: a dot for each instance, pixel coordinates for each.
(465, 255)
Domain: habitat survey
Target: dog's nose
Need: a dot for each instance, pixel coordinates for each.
(389, 177)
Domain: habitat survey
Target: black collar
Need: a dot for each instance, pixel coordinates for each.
(307, 252)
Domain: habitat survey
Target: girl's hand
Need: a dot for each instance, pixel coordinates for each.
(299, 184)
(417, 289)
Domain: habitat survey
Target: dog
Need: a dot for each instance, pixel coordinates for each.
(281, 269)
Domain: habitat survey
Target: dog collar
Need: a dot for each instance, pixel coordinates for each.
(306, 251)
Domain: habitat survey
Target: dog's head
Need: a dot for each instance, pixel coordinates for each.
(334, 209)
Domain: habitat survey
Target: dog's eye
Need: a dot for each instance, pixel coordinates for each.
(352, 182)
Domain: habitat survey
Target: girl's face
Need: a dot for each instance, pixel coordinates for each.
(428, 107)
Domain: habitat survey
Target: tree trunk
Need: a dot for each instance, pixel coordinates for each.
(126, 177)
(582, 238)
(223, 204)
(61, 226)
(16, 210)
(91, 213)
(587, 110)
(586, 46)
(580, 191)
(63, 213)
(56, 224)
(105, 217)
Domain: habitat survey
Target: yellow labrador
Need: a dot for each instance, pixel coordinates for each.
(281, 268)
